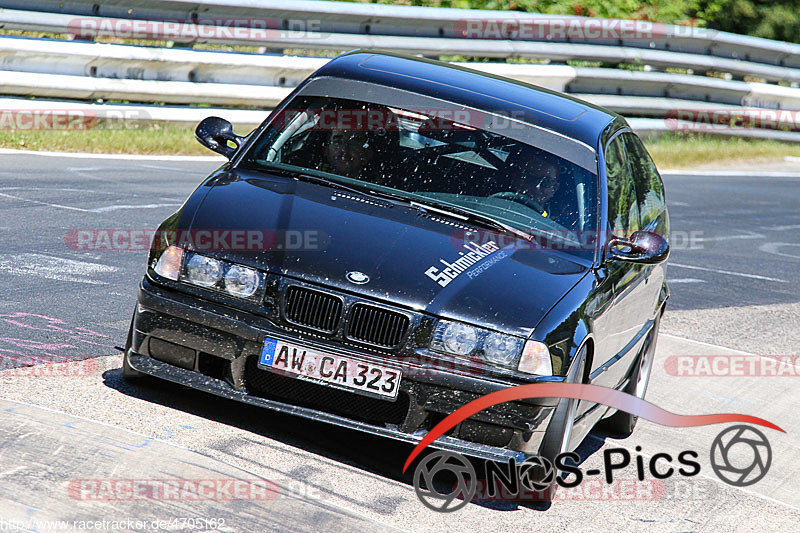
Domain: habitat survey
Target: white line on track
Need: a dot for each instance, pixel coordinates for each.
(42, 203)
(710, 345)
(773, 247)
(56, 268)
(731, 173)
(781, 228)
(749, 235)
(728, 272)
(157, 167)
(115, 207)
(686, 280)
(93, 210)
(47, 189)
(130, 157)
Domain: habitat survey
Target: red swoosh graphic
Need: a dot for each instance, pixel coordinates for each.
(592, 393)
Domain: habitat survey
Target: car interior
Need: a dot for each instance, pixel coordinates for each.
(442, 160)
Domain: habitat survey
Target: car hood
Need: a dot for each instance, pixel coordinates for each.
(320, 234)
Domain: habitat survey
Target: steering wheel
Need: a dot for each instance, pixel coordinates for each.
(520, 198)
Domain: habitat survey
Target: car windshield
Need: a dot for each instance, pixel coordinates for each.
(437, 161)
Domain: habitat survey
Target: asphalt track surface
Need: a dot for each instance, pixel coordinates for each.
(734, 272)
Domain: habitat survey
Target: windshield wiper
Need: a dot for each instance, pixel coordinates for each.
(319, 180)
(311, 178)
(440, 207)
(467, 214)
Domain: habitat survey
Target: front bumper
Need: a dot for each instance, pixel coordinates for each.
(211, 347)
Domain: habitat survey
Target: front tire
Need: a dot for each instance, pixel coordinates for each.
(623, 423)
(559, 431)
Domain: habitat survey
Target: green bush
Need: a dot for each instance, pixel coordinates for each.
(772, 19)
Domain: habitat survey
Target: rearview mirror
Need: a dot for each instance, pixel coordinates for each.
(214, 133)
(642, 247)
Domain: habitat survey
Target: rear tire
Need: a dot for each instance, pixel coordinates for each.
(622, 423)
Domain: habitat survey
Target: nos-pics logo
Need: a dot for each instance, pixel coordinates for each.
(446, 481)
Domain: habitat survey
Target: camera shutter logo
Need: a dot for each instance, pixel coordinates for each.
(728, 453)
(454, 465)
(537, 473)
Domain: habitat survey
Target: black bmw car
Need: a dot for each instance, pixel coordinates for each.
(402, 236)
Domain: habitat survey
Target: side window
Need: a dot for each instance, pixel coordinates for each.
(649, 188)
(623, 211)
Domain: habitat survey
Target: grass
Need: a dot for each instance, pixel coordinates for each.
(669, 151)
(145, 140)
(679, 150)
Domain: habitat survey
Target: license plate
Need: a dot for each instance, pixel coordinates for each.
(342, 372)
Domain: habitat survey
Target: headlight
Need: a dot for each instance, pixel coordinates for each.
(236, 280)
(497, 349)
(500, 349)
(169, 264)
(536, 359)
(203, 271)
(241, 281)
(454, 338)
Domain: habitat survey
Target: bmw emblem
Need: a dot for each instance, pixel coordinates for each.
(359, 278)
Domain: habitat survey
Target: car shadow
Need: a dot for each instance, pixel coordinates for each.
(377, 455)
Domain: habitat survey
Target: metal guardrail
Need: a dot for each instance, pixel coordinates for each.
(89, 71)
(651, 127)
(441, 31)
(128, 72)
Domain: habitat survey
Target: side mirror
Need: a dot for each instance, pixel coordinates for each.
(214, 133)
(643, 247)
